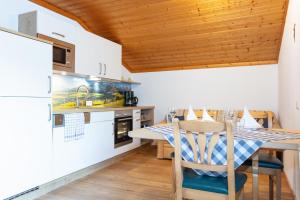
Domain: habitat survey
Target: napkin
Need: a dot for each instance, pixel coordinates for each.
(191, 114)
(206, 117)
(248, 121)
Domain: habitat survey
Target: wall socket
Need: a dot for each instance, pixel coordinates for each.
(89, 103)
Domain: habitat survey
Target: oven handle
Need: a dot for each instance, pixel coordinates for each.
(124, 119)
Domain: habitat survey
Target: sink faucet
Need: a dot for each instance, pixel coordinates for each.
(77, 91)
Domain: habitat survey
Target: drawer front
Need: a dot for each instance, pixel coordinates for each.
(136, 114)
(101, 116)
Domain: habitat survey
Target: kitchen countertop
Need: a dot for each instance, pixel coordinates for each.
(94, 109)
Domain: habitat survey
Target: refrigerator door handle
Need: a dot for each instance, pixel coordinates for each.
(50, 84)
(50, 113)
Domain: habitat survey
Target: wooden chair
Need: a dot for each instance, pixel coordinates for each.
(164, 149)
(268, 163)
(190, 185)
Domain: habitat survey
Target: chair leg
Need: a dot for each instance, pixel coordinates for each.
(241, 196)
(179, 195)
(271, 186)
(278, 185)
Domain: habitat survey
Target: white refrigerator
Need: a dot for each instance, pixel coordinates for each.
(25, 114)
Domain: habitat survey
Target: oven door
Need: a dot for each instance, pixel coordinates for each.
(122, 126)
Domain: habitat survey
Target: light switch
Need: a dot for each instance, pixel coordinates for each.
(297, 105)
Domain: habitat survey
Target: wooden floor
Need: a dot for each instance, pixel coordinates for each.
(139, 176)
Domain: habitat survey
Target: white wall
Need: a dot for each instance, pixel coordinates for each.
(289, 92)
(255, 86)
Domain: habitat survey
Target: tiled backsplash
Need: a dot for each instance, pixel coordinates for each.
(101, 93)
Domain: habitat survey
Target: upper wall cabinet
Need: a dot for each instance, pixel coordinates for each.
(87, 60)
(94, 55)
(97, 56)
(112, 59)
(34, 23)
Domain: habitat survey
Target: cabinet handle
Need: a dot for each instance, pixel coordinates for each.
(138, 120)
(100, 68)
(104, 69)
(50, 113)
(58, 34)
(50, 84)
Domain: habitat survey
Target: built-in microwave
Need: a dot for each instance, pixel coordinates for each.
(63, 54)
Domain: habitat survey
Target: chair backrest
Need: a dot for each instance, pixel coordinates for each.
(198, 128)
(264, 118)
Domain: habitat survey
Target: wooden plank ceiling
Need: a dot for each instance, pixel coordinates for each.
(160, 35)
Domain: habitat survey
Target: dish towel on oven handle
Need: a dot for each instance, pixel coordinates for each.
(74, 126)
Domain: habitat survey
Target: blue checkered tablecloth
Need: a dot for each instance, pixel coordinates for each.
(243, 148)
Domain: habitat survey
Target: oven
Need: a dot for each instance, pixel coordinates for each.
(123, 124)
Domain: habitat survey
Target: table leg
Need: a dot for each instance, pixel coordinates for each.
(255, 190)
(160, 149)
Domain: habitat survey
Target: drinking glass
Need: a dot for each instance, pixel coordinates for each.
(241, 124)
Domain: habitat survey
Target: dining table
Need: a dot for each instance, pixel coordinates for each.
(285, 140)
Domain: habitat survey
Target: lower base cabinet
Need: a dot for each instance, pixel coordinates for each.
(25, 144)
(96, 145)
(100, 141)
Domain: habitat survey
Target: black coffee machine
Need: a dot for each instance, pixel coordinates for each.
(130, 99)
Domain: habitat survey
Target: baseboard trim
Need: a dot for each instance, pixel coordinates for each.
(55, 184)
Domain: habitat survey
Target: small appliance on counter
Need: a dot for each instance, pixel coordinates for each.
(130, 99)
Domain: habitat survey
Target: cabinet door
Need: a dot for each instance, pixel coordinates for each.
(68, 157)
(111, 58)
(96, 145)
(25, 144)
(88, 54)
(99, 141)
(26, 66)
(56, 28)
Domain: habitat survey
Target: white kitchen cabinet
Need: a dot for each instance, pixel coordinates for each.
(26, 66)
(100, 137)
(35, 22)
(100, 141)
(95, 146)
(87, 59)
(68, 157)
(136, 119)
(97, 56)
(111, 59)
(25, 144)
